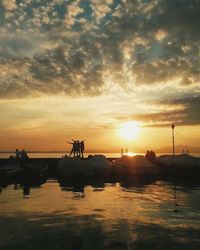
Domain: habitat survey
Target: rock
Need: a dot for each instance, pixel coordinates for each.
(137, 165)
(98, 166)
(182, 160)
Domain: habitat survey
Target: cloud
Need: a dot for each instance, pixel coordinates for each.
(9, 4)
(101, 8)
(77, 47)
(73, 10)
(190, 109)
(182, 112)
(19, 45)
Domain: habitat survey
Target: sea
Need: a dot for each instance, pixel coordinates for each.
(60, 154)
(130, 215)
(133, 214)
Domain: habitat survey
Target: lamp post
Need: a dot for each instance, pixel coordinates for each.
(173, 126)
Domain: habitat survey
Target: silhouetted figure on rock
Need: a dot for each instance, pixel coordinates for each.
(77, 148)
(17, 154)
(73, 151)
(82, 148)
(24, 155)
(150, 155)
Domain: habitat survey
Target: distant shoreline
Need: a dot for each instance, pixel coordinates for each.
(59, 154)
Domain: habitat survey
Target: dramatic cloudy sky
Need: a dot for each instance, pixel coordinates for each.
(80, 69)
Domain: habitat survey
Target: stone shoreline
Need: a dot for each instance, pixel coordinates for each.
(177, 172)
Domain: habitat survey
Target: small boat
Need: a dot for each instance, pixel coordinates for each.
(10, 169)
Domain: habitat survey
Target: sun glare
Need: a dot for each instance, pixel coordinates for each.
(131, 154)
(129, 130)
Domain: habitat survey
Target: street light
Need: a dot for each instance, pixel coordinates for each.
(173, 126)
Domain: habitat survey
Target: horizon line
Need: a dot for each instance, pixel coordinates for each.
(95, 151)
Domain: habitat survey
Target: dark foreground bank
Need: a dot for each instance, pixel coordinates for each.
(119, 168)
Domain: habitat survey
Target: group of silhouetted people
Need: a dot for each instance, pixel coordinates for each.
(21, 155)
(78, 148)
(150, 155)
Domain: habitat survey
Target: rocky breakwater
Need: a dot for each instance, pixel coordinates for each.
(134, 166)
(181, 165)
(100, 167)
(93, 167)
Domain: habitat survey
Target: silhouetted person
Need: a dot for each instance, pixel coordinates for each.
(82, 148)
(78, 148)
(24, 155)
(152, 155)
(18, 154)
(147, 154)
(73, 151)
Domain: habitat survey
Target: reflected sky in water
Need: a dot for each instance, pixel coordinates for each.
(103, 216)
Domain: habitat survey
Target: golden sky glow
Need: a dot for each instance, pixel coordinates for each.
(48, 123)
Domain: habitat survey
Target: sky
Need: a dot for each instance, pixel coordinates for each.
(81, 69)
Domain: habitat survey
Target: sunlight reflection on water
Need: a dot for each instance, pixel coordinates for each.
(101, 216)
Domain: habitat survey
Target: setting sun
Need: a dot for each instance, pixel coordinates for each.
(129, 130)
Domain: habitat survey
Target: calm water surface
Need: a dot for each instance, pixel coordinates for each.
(156, 215)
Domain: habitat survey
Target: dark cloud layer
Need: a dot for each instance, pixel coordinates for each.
(182, 112)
